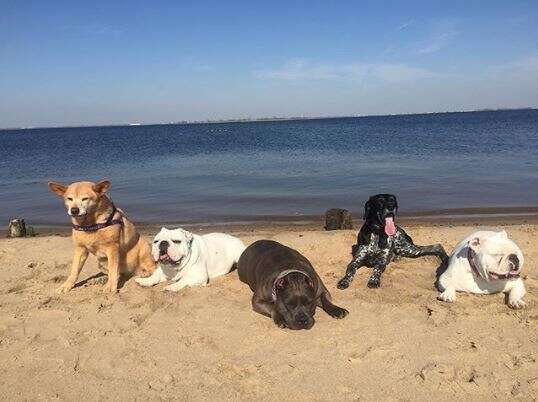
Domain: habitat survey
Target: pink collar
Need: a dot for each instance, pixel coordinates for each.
(109, 222)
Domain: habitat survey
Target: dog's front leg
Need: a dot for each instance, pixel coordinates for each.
(263, 307)
(113, 257)
(378, 266)
(356, 263)
(79, 258)
(333, 310)
(515, 295)
(177, 286)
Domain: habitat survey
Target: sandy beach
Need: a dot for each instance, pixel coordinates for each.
(206, 343)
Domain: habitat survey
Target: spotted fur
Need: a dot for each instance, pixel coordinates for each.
(375, 249)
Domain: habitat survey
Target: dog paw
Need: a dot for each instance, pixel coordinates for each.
(170, 288)
(517, 304)
(279, 321)
(143, 282)
(110, 287)
(339, 313)
(447, 296)
(343, 283)
(374, 282)
(66, 287)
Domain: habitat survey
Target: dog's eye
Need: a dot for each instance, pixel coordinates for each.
(69, 199)
(176, 241)
(85, 199)
(155, 241)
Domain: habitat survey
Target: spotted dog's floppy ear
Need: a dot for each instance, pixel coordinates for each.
(367, 208)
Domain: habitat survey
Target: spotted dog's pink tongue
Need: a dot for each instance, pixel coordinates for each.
(390, 227)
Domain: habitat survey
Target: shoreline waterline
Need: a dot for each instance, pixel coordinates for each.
(442, 217)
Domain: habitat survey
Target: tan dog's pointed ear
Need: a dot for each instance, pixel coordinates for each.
(102, 187)
(57, 188)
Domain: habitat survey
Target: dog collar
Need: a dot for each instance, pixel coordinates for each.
(280, 276)
(470, 254)
(109, 222)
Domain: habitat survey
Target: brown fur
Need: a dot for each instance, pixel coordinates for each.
(119, 248)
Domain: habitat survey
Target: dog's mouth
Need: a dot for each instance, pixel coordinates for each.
(509, 275)
(167, 260)
(79, 215)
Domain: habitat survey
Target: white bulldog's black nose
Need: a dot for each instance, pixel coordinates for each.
(514, 260)
(163, 247)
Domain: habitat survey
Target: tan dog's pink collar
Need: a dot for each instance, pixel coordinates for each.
(109, 222)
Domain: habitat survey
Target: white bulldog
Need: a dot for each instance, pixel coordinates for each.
(187, 259)
(485, 262)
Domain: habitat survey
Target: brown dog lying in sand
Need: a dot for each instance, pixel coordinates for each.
(101, 229)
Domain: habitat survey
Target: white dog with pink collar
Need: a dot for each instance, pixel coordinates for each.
(483, 263)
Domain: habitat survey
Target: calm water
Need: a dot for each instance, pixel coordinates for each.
(240, 171)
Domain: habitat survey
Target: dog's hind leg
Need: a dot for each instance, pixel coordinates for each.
(146, 265)
(411, 250)
(156, 277)
(405, 247)
(113, 265)
(357, 262)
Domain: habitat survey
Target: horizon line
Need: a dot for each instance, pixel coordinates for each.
(265, 119)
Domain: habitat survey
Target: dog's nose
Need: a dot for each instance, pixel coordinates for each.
(301, 319)
(514, 260)
(75, 211)
(163, 247)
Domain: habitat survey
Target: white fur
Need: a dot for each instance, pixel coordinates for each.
(201, 258)
(490, 251)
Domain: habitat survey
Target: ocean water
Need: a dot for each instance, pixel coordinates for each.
(245, 171)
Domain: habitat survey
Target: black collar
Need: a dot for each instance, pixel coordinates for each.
(109, 222)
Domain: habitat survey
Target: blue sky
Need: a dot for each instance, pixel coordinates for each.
(69, 63)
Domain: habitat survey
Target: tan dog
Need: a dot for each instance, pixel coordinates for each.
(101, 229)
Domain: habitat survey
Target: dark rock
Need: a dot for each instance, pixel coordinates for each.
(17, 228)
(338, 219)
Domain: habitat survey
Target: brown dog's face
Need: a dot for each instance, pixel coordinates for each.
(296, 301)
(80, 198)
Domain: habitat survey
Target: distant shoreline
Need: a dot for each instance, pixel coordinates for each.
(445, 217)
(265, 119)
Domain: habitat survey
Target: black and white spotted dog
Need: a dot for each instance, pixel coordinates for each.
(380, 240)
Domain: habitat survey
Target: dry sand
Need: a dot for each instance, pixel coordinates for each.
(206, 343)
